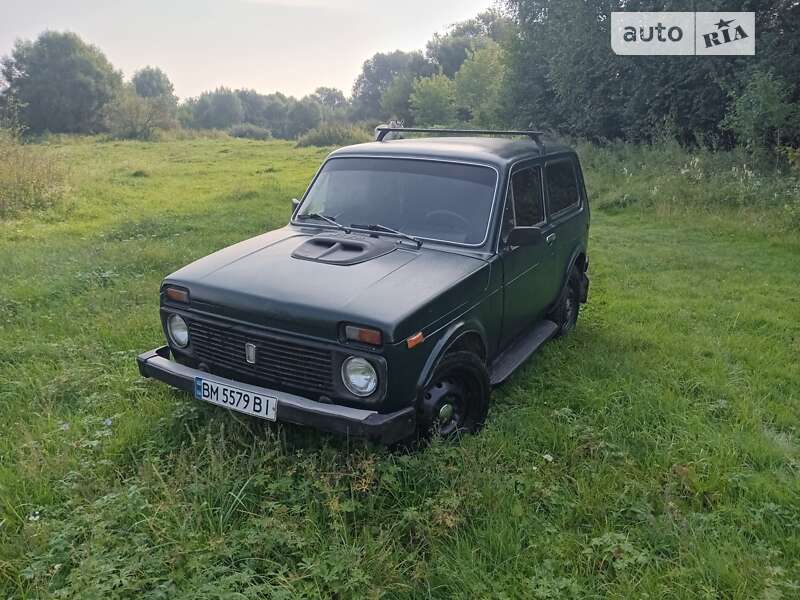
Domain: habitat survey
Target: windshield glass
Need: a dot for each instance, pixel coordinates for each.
(435, 200)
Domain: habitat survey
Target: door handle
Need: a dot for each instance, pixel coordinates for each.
(550, 239)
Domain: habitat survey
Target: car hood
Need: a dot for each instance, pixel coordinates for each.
(269, 280)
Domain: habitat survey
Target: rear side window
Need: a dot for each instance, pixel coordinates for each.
(562, 186)
(528, 205)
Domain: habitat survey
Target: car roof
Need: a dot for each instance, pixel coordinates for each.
(495, 151)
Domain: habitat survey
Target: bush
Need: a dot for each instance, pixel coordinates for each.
(31, 177)
(333, 134)
(250, 131)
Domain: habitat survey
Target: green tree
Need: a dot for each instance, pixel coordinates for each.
(131, 116)
(276, 114)
(219, 109)
(185, 113)
(159, 109)
(332, 102)
(329, 98)
(451, 49)
(254, 106)
(491, 24)
(61, 83)
(396, 100)
(432, 100)
(303, 115)
(562, 72)
(480, 86)
(563, 75)
(377, 75)
(762, 112)
(151, 82)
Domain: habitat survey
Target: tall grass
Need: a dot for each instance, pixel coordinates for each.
(653, 453)
(32, 177)
(182, 134)
(666, 179)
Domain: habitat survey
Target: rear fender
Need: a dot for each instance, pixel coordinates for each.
(577, 251)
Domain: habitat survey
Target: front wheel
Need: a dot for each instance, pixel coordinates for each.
(457, 398)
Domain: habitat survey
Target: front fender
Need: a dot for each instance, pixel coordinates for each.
(450, 336)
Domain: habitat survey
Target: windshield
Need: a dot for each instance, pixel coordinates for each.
(435, 200)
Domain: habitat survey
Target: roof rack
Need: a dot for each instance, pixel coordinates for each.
(536, 136)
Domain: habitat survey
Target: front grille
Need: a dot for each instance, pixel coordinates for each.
(279, 362)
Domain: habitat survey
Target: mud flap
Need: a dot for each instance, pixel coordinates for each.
(583, 291)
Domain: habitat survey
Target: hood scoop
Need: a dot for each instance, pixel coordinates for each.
(343, 249)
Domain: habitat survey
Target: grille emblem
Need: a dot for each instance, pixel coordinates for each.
(250, 353)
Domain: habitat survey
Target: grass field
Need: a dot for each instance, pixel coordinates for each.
(652, 454)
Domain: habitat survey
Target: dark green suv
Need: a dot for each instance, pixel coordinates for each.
(414, 275)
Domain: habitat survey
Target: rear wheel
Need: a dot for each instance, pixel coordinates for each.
(565, 314)
(457, 398)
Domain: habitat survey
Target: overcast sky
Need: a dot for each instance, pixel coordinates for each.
(292, 46)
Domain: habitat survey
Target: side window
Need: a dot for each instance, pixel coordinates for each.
(562, 186)
(528, 205)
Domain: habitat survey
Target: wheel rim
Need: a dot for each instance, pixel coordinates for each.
(448, 400)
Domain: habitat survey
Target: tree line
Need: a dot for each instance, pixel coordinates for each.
(565, 76)
(60, 84)
(546, 63)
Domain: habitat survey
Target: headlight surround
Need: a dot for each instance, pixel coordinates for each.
(359, 376)
(178, 331)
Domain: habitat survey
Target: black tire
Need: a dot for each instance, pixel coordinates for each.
(566, 312)
(460, 381)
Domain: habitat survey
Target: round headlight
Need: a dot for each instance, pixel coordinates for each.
(359, 376)
(178, 331)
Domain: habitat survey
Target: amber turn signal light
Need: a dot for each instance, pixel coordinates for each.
(177, 295)
(363, 335)
(415, 340)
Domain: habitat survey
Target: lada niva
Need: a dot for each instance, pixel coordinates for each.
(413, 276)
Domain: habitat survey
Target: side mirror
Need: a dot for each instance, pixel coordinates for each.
(525, 236)
(295, 204)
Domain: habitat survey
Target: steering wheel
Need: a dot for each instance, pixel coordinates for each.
(449, 217)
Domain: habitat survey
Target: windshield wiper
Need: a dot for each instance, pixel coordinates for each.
(372, 227)
(385, 229)
(321, 217)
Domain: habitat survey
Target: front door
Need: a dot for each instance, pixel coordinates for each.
(530, 277)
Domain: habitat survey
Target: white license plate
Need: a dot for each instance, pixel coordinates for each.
(235, 398)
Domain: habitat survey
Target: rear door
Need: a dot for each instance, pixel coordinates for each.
(565, 210)
(530, 277)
